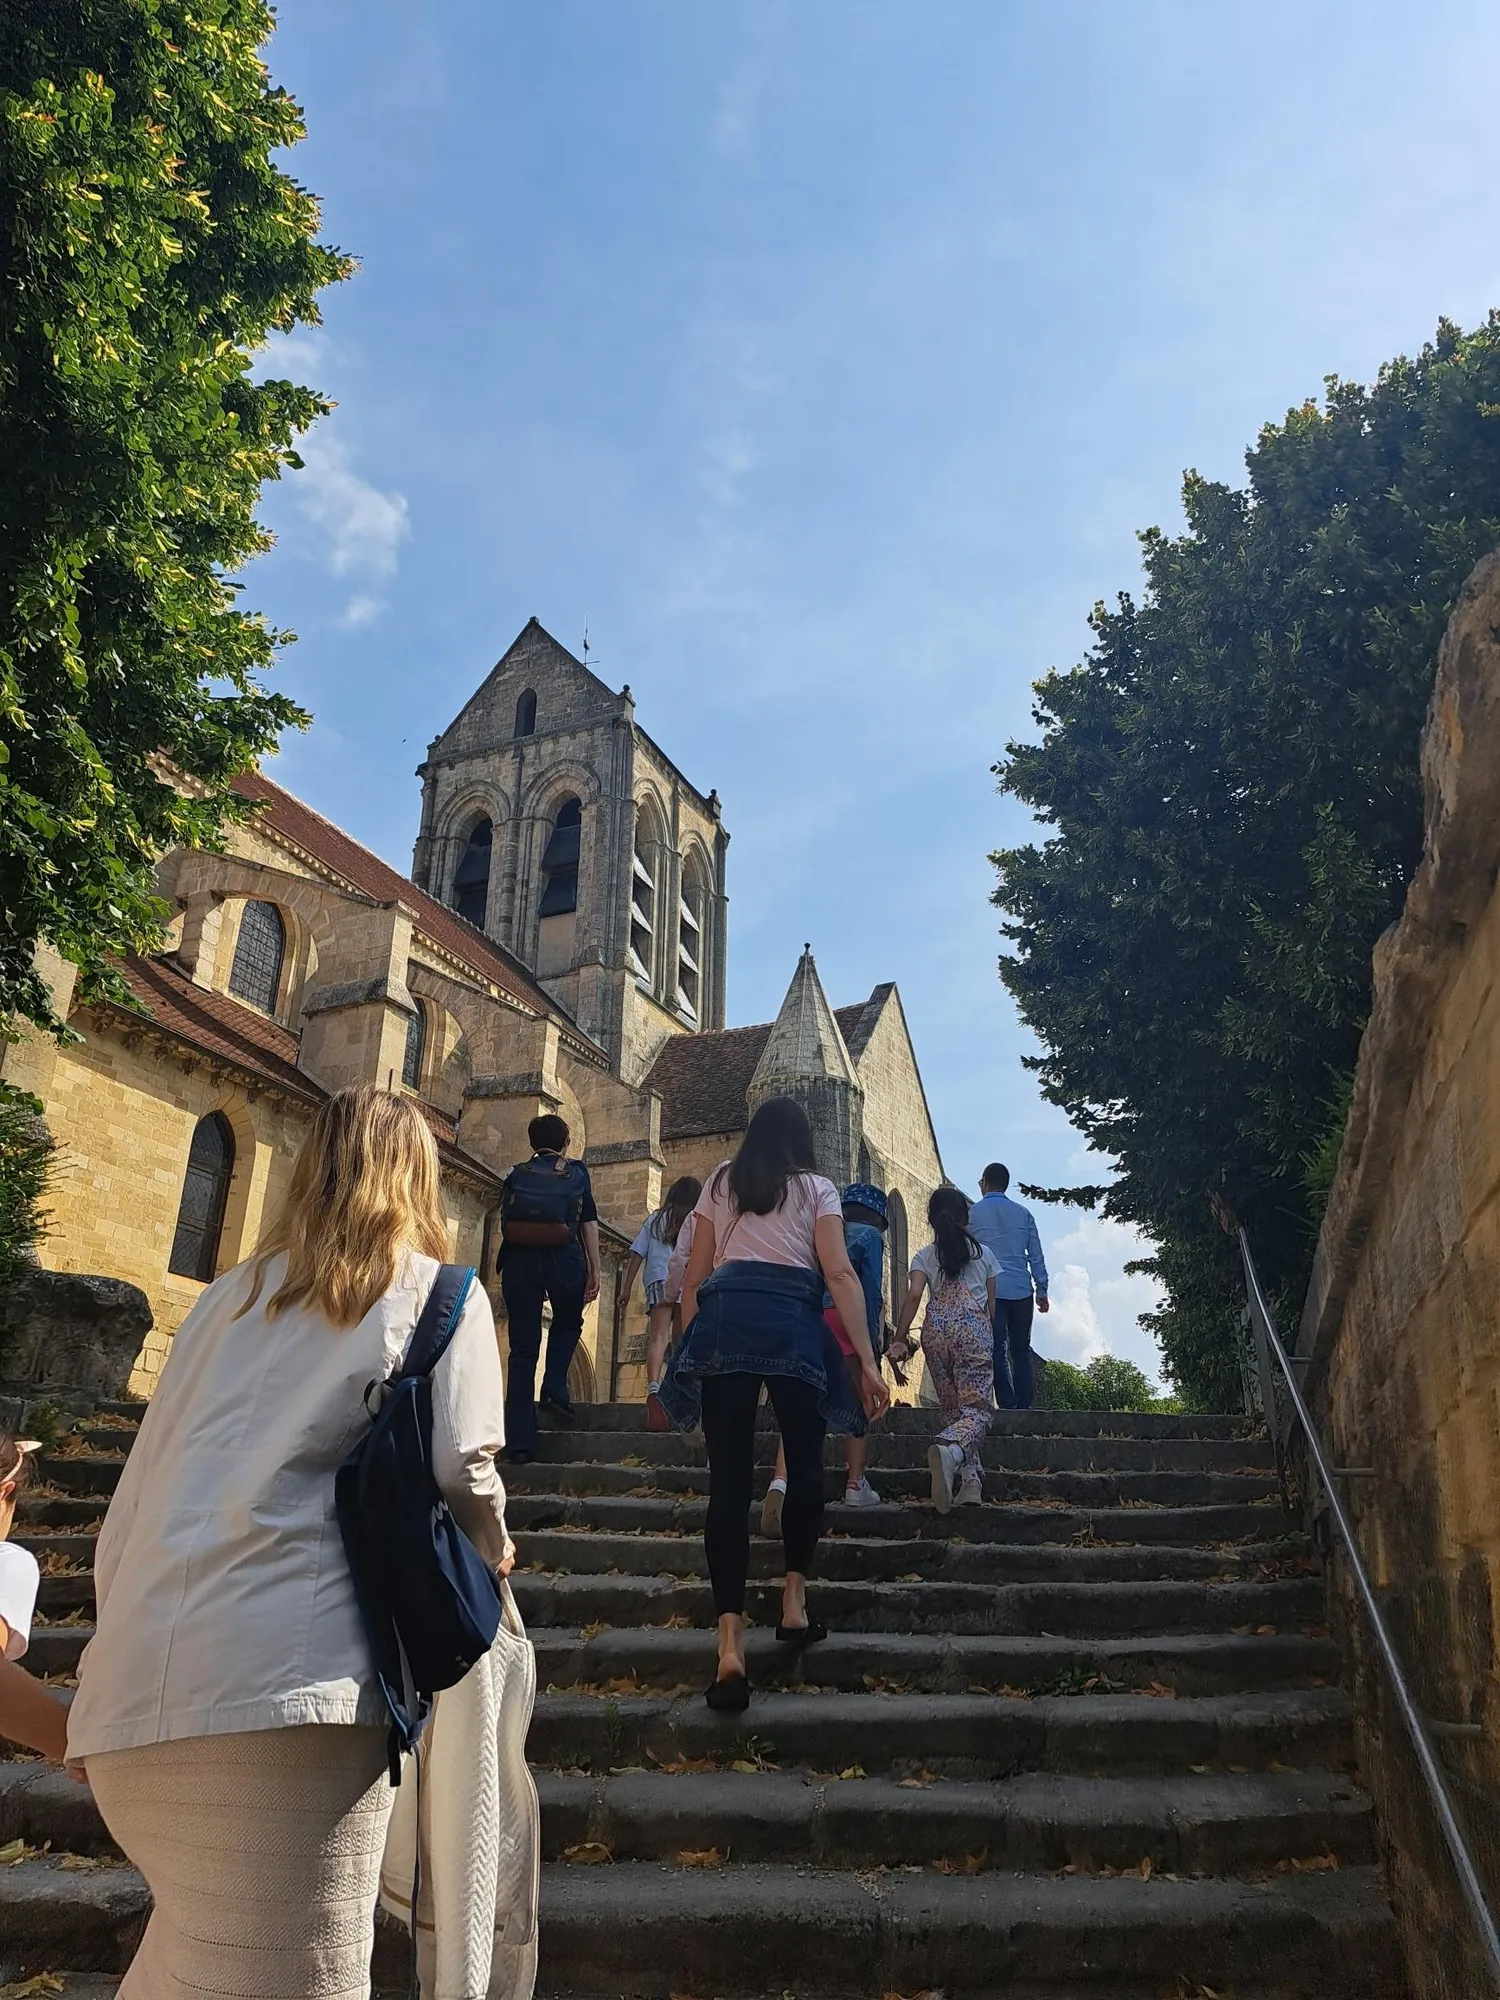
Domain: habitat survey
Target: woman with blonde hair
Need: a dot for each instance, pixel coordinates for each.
(228, 1712)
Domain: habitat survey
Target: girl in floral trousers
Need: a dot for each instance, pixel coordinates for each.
(958, 1340)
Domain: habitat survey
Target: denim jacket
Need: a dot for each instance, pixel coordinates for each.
(761, 1319)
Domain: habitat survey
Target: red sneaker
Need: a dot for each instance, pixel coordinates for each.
(656, 1414)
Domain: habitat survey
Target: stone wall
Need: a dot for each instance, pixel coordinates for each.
(1402, 1322)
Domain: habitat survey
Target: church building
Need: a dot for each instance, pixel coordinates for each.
(560, 946)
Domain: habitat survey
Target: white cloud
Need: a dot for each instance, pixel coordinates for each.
(361, 611)
(362, 527)
(1096, 1303)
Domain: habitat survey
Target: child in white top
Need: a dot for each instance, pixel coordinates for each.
(28, 1714)
(653, 1250)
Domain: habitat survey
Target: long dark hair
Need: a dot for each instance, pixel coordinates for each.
(948, 1213)
(776, 1147)
(682, 1197)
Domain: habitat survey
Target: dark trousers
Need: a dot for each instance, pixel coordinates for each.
(729, 1404)
(1015, 1381)
(529, 1277)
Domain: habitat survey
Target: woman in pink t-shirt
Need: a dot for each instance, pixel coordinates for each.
(769, 1236)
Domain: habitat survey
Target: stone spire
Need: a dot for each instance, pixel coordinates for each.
(806, 1058)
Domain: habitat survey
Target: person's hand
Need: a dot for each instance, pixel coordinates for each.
(873, 1393)
(1042, 1305)
(899, 1351)
(507, 1562)
(591, 1287)
(76, 1771)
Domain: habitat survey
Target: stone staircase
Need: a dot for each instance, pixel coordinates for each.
(1083, 1743)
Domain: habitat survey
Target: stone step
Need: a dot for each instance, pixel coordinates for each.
(646, 1931)
(50, 1914)
(1058, 1608)
(84, 1473)
(865, 1559)
(908, 1450)
(1214, 1526)
(1081, 1489)
(1038, 1822)
(904, 1419)
(1078, 1609)
(649, 1930)
(71, 1512)
(967, 1735)
(1190, 1663)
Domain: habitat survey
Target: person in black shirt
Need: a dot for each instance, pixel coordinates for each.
(567, 1275)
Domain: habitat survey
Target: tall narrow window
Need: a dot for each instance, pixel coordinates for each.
(205, 1188)
(416, 1048)
(690, 945)
(256, 972)
(526, 713)
(643, 902)
(896, 1226)
(471, 878)
(560, 862)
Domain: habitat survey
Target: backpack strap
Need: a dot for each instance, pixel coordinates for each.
(438, 1319)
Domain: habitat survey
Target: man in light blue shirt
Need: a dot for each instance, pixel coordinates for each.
(1009, 1230)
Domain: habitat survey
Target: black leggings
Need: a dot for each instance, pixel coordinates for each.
(729, 1404)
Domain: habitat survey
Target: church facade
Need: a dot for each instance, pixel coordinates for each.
(560, 946)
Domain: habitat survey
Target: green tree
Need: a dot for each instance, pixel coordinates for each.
(1230, 788)
(25, 1165)
(148, 245)
(1108, 1383)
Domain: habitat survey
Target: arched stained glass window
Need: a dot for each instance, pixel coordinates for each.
(205, 1189)
(471, 879)
(526, 713)
(416, 1048)
(256, 972)
(560, 861)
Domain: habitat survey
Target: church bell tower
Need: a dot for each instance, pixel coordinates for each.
(554, 824)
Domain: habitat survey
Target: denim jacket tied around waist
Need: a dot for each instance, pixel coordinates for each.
(761, 1319)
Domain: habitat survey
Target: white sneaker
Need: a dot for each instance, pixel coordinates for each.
(770, 1513)
(970, 1492)
(943, 1461)
(863, 1495)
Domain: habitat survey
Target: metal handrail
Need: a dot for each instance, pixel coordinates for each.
(1268, 1343)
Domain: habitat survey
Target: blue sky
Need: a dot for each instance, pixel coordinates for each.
(826, 359)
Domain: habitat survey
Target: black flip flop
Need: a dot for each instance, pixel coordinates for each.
(802, 1635)
(730, 1696)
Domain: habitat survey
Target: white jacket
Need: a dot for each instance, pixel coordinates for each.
(480, 1832)
(225, 1601)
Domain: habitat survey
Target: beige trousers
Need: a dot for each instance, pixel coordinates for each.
(262, 1853)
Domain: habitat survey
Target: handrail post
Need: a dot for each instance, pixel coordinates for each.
(1416, 1726)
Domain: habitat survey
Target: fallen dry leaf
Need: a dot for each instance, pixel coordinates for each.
(14, 1851)
(588, 1851)
(30, 1989)
(972, 1864)
(702, 1857)
(592, 1631)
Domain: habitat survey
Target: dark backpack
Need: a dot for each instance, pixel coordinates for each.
(429, 1602)
(542, 1204)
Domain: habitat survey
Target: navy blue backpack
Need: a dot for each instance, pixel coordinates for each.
(429, 1602)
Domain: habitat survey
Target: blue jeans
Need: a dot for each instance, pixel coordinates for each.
(764, 1320)
(528, 1277)
(1015, 1380)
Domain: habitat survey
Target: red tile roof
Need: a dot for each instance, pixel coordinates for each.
(375, 878)
(218, 1026)
(704, 1080)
